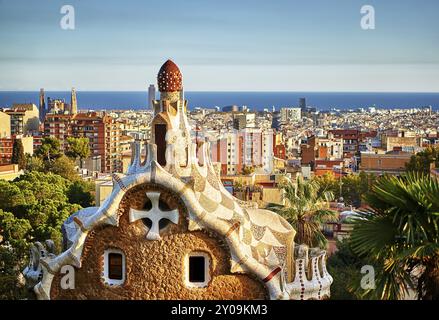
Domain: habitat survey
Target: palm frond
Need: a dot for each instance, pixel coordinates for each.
(399, 232)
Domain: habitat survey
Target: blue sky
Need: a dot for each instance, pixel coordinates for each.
(278, 45)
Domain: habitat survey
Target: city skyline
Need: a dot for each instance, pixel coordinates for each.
(227, 46)
(216, 204)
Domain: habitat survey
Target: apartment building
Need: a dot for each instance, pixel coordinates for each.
(5, 125)
(392, 139)
(103, 132)
(7, 145)
(351, 139)
(290, 114)
(24, 119)
(244, 120)
(321, 148)
(250, 147)
(392, 162)
(58, 126)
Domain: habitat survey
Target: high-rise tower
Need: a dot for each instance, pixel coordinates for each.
(73, 102)
(302, 103)
(42, 105)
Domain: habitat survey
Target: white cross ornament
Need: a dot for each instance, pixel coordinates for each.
(155, 214)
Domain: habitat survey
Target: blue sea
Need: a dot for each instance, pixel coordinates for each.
(112, 100)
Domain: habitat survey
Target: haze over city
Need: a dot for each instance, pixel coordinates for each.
(221, 45)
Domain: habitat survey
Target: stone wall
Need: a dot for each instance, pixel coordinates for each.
(154, 269)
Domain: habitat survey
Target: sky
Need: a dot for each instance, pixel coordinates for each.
(227, 45)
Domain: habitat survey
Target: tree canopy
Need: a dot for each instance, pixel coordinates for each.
(33, 208)
(50, 149)
(78, 148)
(18, 154)
(49, 158)
(344, 266)
(62, 166)
(353, 186)
(421, 161)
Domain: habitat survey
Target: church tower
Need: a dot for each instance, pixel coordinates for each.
(73, 102)
(170, 122)
(42, 105)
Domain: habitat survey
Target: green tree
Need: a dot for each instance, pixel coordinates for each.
(345, 267)
(79, 148)
(306, 208)
(34, 163)
(238, 185)
(82, 193)
(10, 196)
(14, 231)
(351, 190)
(50, 149)
(60, 165)
(14, 236)
(421, 161)
(18, 154)
(64, 167)
(33, 208)
(400, 234)
(353, 186)
(328, 182)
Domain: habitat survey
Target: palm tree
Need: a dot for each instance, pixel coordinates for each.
(306, 208)
(399, 233)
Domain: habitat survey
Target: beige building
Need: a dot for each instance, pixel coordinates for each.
(399, 139)
(5, 125)
(290, 115)
(25, 118)
(28, 145)
(244, 120)
(259, 188)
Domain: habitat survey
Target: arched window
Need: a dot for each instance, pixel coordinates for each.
(114, 267)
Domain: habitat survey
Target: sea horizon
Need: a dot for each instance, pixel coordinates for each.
(254, 100)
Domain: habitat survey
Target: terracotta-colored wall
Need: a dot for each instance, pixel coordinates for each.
(379, 162)
(307, 153)
(155, 268)
(323, 152)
